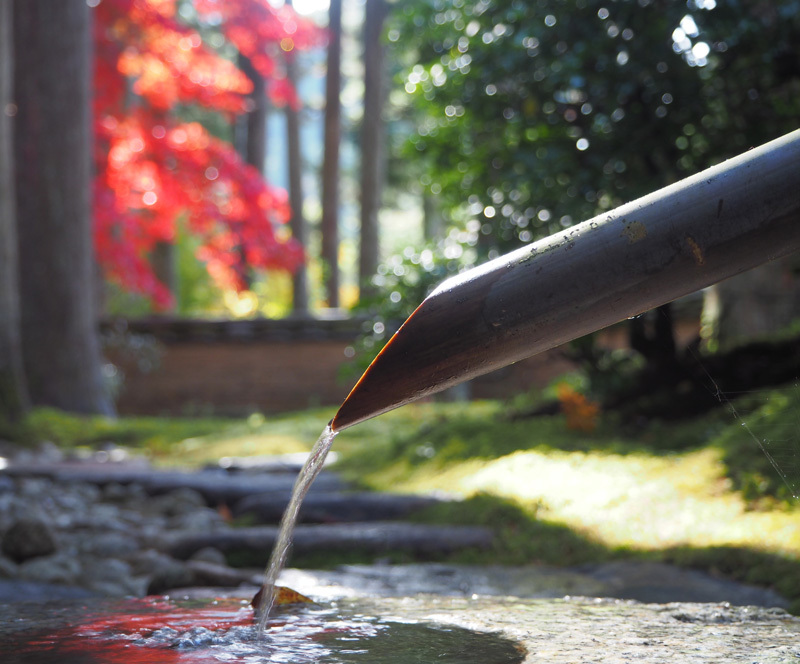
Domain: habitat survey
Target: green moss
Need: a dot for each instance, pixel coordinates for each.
(763, 428)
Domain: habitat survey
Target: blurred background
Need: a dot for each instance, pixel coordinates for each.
(270, 189)
(213, 213)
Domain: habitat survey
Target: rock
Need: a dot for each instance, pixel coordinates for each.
(376, 537)
(49, 452)
(656, 582)
(217, 486)
(178, 502)
(62, 568)
(28, 538)
(114, 492)
(8, 568)
(12, 591)
(111, 577)
(328, 507)
(209, 555)
(199, 520)
(591, 630)
(618, 579)
(147, 562)
(171, 574)
(211, 574)
(108, 545)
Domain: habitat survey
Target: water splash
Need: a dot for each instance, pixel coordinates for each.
(311, 469)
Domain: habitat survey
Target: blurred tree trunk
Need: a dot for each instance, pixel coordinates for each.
(52, 74)
(330, 165)
(372, 166)
(13, 394)
(253, 125)
(163, 260)
(296, 197)
(432, 222)
(251, 134)
(755, 304)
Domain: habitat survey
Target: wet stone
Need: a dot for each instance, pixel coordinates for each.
(209, 555)
(109, 544)
(8, 568)
(595, 630)
(28, 538)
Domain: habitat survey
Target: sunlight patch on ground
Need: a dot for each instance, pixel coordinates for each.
(638, 501)
(199, 451)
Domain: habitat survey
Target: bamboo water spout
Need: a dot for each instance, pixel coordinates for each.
(701, 230)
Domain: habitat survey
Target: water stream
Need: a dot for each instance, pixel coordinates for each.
(280, 550)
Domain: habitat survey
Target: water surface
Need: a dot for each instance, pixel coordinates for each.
(153, 630)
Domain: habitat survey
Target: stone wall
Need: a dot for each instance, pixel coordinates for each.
(191, 367)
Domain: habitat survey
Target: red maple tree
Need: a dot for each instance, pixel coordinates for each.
(152, 169)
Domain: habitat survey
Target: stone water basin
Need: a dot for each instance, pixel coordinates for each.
(204, 626)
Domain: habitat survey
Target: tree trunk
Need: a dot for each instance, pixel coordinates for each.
(251, 136)
(163, 260)
(372, 166)
(61, 350)
(296, 198)
(13, 394)
(753, 305)
(253, 128)
(432, 222)
(330, 166)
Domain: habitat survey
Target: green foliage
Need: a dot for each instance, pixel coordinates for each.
(763, 434)
(607, 372)
(402, 282)
(154, 434)
(528, 116)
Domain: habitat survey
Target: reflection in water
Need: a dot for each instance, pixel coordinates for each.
(163, 631)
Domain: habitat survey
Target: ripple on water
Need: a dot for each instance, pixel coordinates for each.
(162, 631)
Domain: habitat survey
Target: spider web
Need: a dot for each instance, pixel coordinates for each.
(772, 422)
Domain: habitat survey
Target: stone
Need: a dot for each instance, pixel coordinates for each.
(28, 538)
(377, 537)
(6, 484)
(200, 520)
(618, 579)
(217, 486)
(12, 592)
(170, 574)
(209, 555)
(657, 582)
(177, 502)
(147, 562)
(573, 630)
(211, 574)
(8, 568)
(111, 577)
(108, 545)
(330, 507)
(62, 568)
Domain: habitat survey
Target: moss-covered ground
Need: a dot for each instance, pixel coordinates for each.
(699, 493)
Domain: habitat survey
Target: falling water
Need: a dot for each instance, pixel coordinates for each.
(284, 540)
